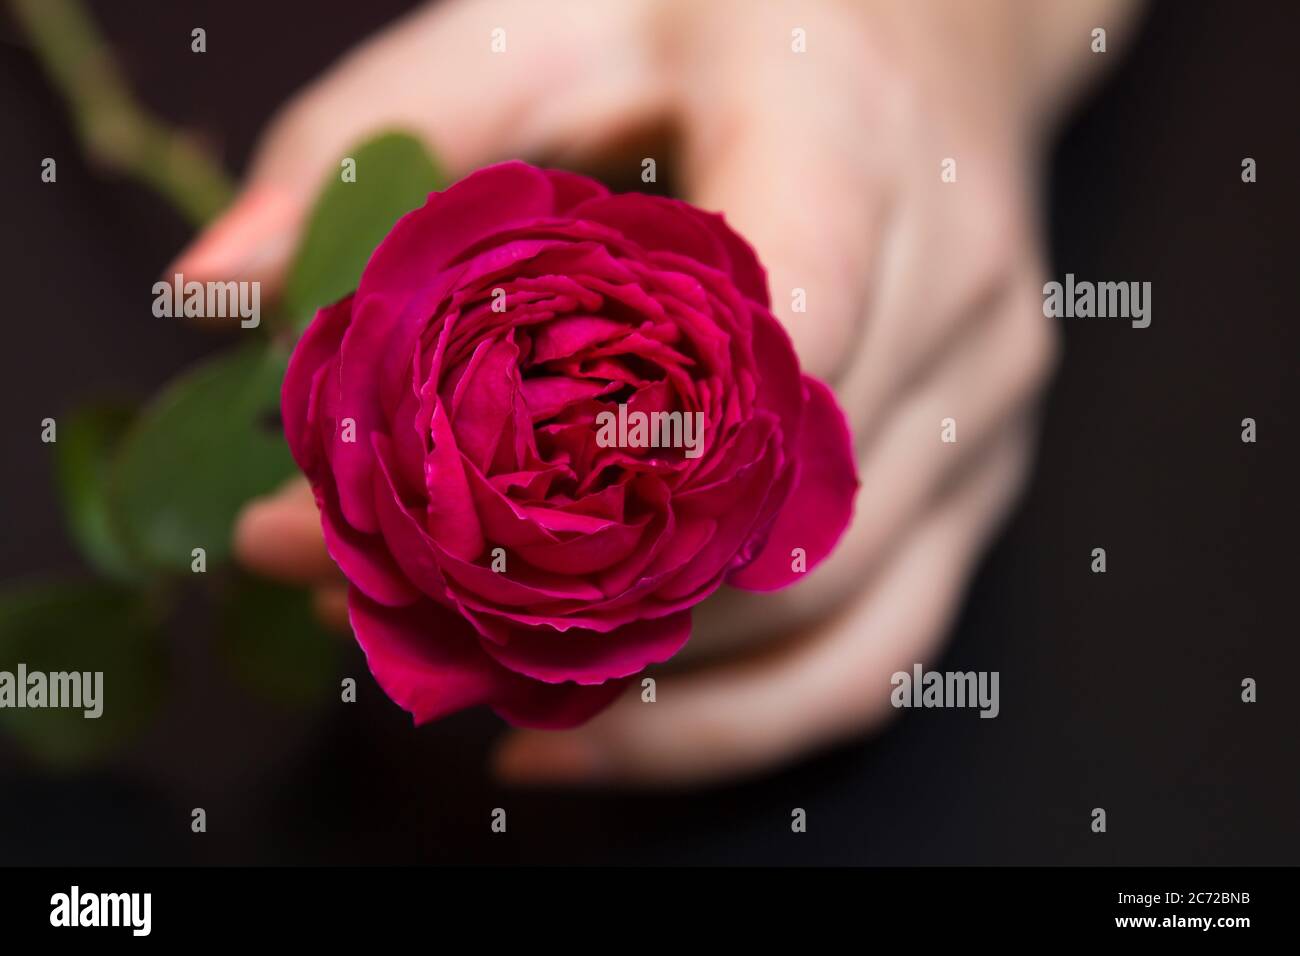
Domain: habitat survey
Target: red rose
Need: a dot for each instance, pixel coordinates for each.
(472, 421)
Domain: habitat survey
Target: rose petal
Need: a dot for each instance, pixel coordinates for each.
(358, 410)
(572, 189)
(588, 657)
(484, 400)
(364, 559)
(411, 547)
(656, 222)
(542, 706)
(431, 237)
(425, 657)
(746, 271)
(819, 506)
(549, 395)
(452, 520)
(317, 348)
(429, 662)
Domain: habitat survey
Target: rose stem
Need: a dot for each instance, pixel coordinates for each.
(114, 129)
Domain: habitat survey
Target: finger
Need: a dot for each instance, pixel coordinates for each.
(752, 714)
(754, 128)
(280, 537)
(331, 606)
(949, 253)
(411, 76)
(252, 240)
(991, 372)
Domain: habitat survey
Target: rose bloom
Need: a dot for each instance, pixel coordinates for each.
(446, 416)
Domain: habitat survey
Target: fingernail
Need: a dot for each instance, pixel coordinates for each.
(247, 240)
(534, 757)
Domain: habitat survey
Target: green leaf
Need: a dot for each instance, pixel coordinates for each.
(394, 174)
(271, 640)
(206, 445)
(87, 439)
(80, 628)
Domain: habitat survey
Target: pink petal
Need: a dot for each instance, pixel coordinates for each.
(365, 346)
(316, 349)
(556, 706)
(588, 553)
(654, 222)
(819, 506)
(548, 395)
(589, 657)
(363, 558)
(484, 399)
(572, 189)
(429, 662)
(570, 335)
(746, 272)
(425, 657)
(747, 491)
(431, 237)
(780, 383)
(410, 545)
(451, 516)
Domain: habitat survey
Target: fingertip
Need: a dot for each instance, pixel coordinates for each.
(252, 240)
(251, 528)
(279, 536)
(330, 605)
(549, 758)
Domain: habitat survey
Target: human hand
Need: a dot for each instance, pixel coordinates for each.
(923, 303)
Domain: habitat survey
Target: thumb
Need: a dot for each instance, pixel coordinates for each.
(793, 171)
(252, 240)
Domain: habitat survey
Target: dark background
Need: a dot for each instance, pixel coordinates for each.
(1119, 690)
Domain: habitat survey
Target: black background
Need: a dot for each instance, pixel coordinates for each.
(1119, 690)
